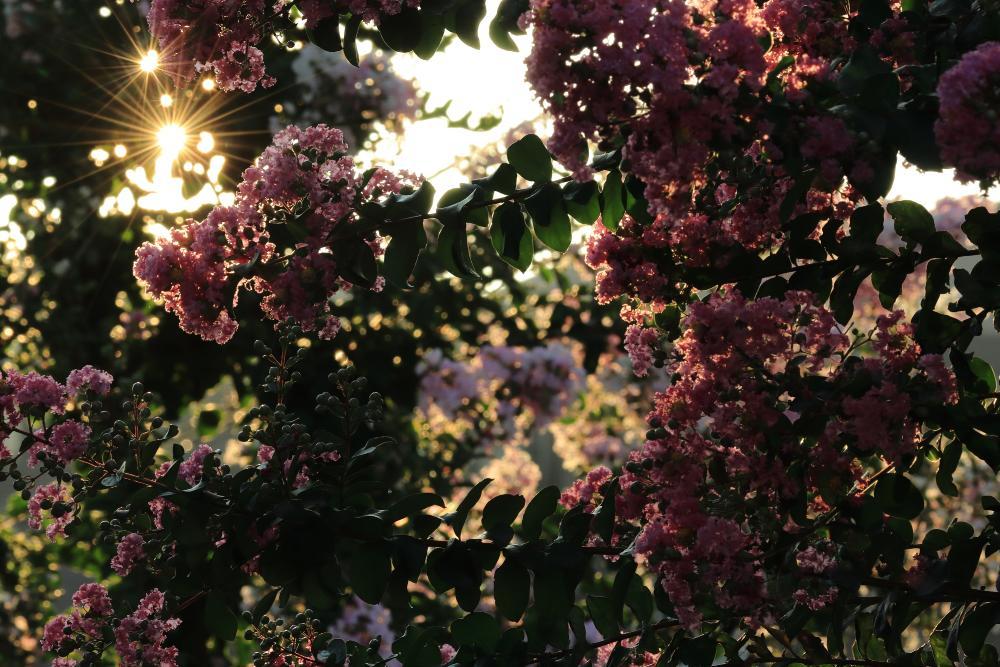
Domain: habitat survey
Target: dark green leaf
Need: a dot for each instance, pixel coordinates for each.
(912, 221)
(583, 201)
(946, 468)
(612, 201)
(844, 291)
(501, 511)
(369, 572)
(530, 158)
(468, 16)
(351, 40)
(457, 519)
(326, 34)
(697, 651)
(602, 613)
(402, 32)
(549, 218)
(407, 242)
(897, 496)
(510, 236)
(412, 505)
(263, 605)
(431, 33)
(453, 250)
(541, 507)
(867, 222)
(477, 629)
(620, 589)
(220, 618)
(511, 589)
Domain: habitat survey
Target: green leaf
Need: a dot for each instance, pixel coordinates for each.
(640, 600)
(583, 201)
(500, 36)
(326, 34)
(912, 221)
(220, 618)
(510, 236)
(431, 33)
(984, 372)
(402, 32)
(844, 291)
(542, 506)
(506, 22)
(457, 519)
(963, 560)
(418, 202)
(263, 605)
(512, 589)
(530, 158)
(477, 629)
(356, 263)
(351, 40)
(467, 19)
(697, 651)
(369, 572)
(549, 218)
(983, 229)
(453, 205)
(612, 201)
(452, 250)
(602, 613)
(407, 242)
(889, 283)
(604, 517)
(946, 468)
(983, 446)
(409, 554)
(897, 496)
(864, 64)
(503, 179)
(620, 589)
(867, 222)
(976, 626)
(411, 505)
(501, 511)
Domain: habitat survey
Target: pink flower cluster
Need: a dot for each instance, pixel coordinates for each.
(212, 35)
(86, 620)
(222, 36)
(967, 130)
(55, 501)
(640, 343)
(711, 489)
(680, 84)
(129, 552)
(139, 637)
(25, 397)
(305, 181)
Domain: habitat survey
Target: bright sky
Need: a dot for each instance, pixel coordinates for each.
(482, 81)
(929, 187)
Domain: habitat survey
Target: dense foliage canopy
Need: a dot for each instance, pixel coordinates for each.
(796, 469)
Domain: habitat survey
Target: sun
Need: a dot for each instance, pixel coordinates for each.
(171, 138)
(149, 61)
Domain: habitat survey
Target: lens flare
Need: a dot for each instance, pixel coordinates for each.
(171, 139)
(149, 61)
